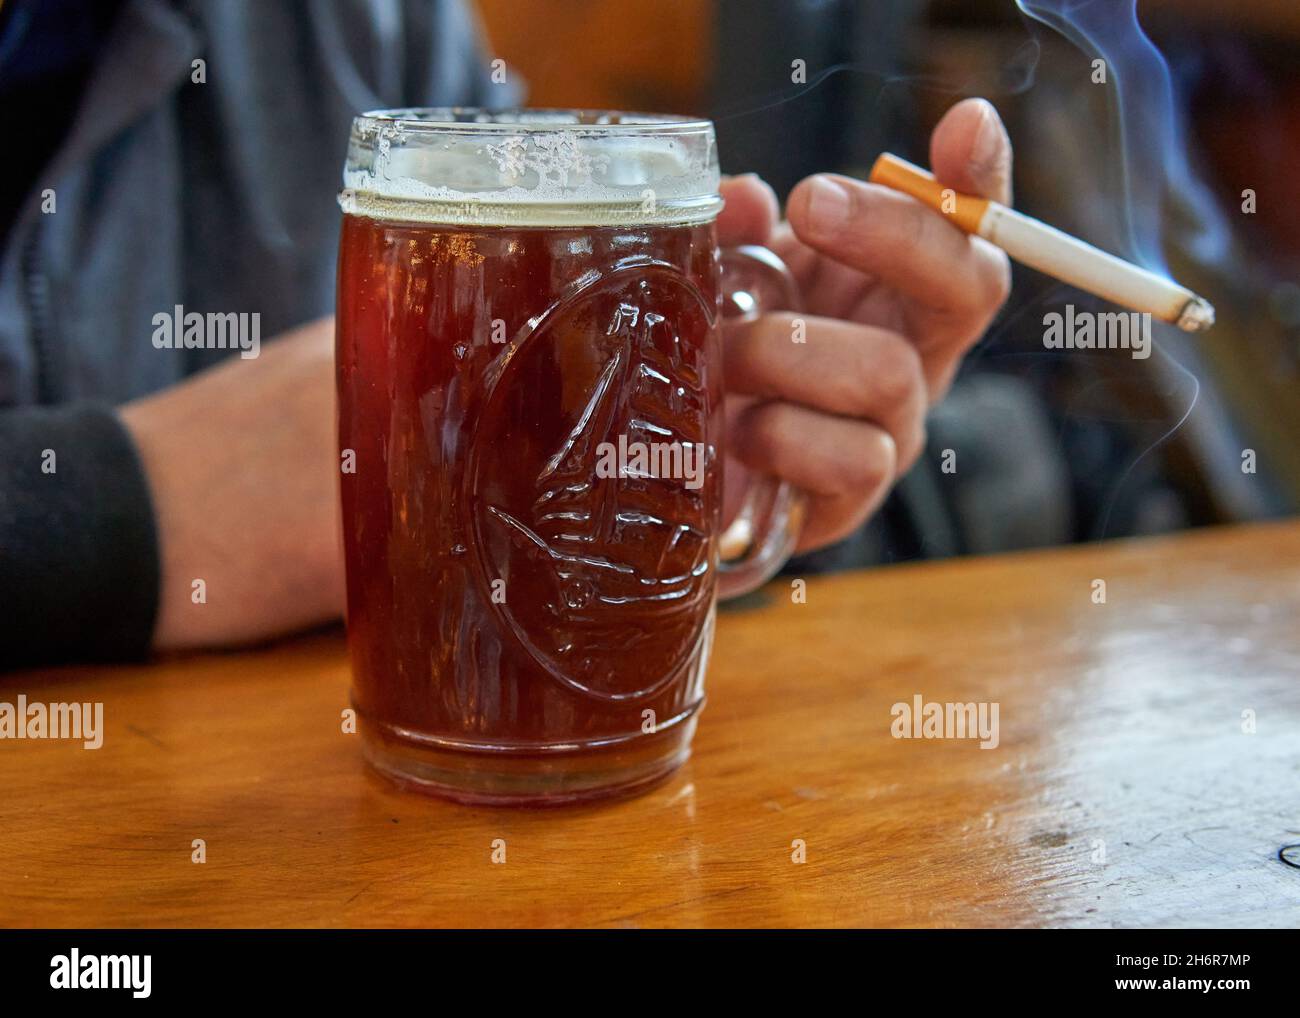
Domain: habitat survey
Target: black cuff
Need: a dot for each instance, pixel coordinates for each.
(79, 568)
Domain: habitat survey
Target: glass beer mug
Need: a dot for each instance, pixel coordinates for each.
(531, 436)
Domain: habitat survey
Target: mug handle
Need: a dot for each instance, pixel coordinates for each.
(764, 533)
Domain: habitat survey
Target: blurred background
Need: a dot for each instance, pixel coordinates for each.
(1052, 446)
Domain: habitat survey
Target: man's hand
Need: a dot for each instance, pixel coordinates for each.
(244, 471)
(894, 296)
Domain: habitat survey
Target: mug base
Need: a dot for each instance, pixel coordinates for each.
(543, 779)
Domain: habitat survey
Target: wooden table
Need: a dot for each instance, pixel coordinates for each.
(1123, 791)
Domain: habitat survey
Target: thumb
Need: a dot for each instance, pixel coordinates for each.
(750, 213)
(970, 151)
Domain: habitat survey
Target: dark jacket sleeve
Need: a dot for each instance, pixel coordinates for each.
(79, 568)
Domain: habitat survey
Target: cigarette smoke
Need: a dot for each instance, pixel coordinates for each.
(1160, 198)
(1158, 185)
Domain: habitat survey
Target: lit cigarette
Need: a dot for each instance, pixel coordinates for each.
(1048, 250)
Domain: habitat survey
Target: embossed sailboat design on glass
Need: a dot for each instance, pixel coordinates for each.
(618, 522)
(530, 379)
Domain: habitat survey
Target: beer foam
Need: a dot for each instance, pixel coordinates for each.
(530, 168)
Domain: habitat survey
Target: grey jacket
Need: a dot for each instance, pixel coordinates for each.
(218, 196)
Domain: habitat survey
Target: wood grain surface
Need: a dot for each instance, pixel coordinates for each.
(1123, 791)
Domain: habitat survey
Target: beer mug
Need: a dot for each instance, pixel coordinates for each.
(529, 369)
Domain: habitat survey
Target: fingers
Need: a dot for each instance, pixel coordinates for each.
(750, 212)
(970, 151)
(845, 466)
(842, 414)
(840, 368)
(894, 239)
(950, 284)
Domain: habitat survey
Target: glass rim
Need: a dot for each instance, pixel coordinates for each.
(532, 120)
(537, 165)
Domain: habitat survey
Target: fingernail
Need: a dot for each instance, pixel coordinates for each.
(988, 139)
(828, 205)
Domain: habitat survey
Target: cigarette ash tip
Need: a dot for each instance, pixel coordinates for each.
(1197, 316)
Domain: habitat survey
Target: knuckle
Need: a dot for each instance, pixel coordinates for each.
(762, 435)
(910, 450)
(842, 517)
(996, 280)
(916, 225)
(873, 465)
(881, 220)
(896, 375)
(888, 458)
(856, 214)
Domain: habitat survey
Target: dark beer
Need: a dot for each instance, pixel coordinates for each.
(524, 627)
